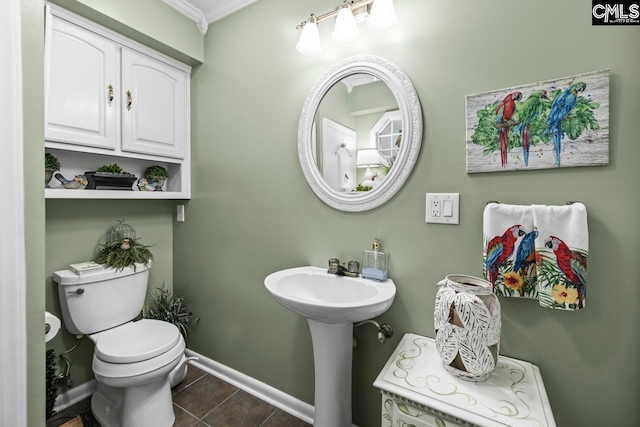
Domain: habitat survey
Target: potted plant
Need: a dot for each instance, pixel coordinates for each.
(171, 307)
(124, 253)
(158, 174)
(110, 177)
(51, 164)
(388, 164)
(361, 187)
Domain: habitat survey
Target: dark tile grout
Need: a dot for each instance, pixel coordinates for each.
(269, 417)
(219, 405)
(204, 374)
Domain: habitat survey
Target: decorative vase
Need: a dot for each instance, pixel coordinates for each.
(48, 174)
(157, 179)
(467, 323)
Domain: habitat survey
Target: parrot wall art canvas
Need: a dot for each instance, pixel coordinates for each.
(551, 124)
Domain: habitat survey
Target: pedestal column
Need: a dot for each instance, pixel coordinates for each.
(332, 357)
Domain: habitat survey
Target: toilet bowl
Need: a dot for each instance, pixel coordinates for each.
(132, 361)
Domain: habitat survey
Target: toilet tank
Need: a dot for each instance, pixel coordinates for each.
(96, 301)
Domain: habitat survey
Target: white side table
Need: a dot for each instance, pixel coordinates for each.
(417, 391)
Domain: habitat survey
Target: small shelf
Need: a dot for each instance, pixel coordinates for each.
(77, 163)
(63, 193)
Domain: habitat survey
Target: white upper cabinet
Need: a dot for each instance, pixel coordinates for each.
(110, 99)
(106, 91)
(154, 116)
(83, 74)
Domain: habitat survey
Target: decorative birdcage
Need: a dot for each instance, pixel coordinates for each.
(119, 232)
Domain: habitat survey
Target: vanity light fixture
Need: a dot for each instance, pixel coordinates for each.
(309, 43)
(383, 15)
(345, 30)
(379, 14)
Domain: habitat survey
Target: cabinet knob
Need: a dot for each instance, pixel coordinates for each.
(111, 95)
(129, 100)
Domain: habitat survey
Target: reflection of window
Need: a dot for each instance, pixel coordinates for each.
(386, 134)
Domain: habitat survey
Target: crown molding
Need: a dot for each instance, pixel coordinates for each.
(191, 12)
(225, 8)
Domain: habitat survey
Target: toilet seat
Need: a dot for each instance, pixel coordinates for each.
(136, 349)
(136, 341)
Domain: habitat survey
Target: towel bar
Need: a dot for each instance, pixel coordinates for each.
(570, 202)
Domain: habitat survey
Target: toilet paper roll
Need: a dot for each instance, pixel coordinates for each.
(54, 326)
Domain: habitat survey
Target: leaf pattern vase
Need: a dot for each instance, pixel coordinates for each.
(467, 323)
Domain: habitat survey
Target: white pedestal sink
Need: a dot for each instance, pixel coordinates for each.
(331, 304)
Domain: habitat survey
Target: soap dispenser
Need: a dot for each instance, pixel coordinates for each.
(375, 263)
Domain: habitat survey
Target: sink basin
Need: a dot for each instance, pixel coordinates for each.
(327, 298)
(331, 304)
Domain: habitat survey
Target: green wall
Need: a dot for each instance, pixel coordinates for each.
(32, 18)
(253, 213)
(371, 98)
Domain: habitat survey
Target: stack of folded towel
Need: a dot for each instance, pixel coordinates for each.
(537, 252)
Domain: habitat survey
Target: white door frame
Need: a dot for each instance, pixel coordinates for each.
(13, 354)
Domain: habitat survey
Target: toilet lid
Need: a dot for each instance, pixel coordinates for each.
(136, 341)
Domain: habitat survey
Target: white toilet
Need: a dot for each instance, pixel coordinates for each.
(132, 360)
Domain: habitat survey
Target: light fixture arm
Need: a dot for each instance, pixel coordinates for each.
(356, 7)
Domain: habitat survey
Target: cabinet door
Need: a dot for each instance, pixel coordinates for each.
(155, 106)
(82, 79)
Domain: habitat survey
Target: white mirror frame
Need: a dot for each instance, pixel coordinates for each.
(409, 106)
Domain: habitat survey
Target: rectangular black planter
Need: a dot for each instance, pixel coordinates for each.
(109, 181)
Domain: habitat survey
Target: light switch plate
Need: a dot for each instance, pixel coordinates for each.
(438, 207)
(180, 213)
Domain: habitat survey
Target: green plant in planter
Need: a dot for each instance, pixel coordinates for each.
(156, 171)
(361, 187)
(51, 162)
(114, 168)
(169, 307)
(51, 383)
(124, 253)
(388, 164)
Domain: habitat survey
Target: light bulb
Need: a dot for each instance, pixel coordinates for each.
(345, 30)
(309, 43)
(383, 15)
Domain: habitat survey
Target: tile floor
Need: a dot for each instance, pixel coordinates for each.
(203, 400)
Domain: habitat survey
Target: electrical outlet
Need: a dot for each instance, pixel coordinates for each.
(435, 207)
(443, 208)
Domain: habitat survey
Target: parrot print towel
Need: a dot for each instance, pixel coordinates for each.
(508, 250)
(537, 252)
(562, 251)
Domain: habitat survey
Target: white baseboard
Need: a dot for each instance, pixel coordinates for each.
(262, 391)
(75, 395)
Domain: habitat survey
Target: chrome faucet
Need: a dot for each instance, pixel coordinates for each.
(340, 270)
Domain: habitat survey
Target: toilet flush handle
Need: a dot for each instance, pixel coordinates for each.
(79, 292)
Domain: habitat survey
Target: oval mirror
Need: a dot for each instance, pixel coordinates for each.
(360, 133)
